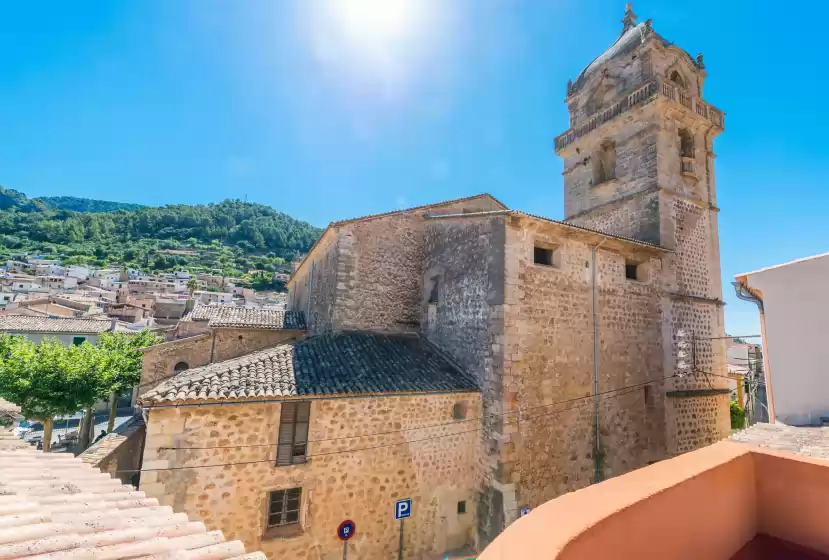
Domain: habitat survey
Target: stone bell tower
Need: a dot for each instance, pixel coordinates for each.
(639, 162)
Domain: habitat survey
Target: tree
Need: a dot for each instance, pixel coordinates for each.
(192, 285)
(121, 359)
(48, 379)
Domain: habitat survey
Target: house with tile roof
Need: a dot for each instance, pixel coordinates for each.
(277, 447)
(65, 329)
(53, 505)
(210, 333)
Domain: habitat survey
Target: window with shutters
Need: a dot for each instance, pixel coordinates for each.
(293, 433)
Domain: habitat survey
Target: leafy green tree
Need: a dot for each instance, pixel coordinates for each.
(48, 379)
(121, 359)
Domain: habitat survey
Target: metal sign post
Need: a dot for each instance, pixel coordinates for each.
(345, 531)
(402, 510)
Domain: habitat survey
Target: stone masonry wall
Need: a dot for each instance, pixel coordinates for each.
(160, 360)
(419, 452)
(313, 289)
(548, 368)
(465, 256)
(232, 343)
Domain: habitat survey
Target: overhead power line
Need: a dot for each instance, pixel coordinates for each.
(454, 423)
(627, 390)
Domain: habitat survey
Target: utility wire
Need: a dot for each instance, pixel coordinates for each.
(454, 423)
(340, 451)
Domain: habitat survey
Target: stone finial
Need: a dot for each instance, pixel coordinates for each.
(700, 62)
(630, 18)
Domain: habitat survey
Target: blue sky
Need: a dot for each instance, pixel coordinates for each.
(290, 104)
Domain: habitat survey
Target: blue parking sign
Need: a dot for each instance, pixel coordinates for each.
(403, 509)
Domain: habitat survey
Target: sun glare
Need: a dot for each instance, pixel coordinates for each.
(378, 23)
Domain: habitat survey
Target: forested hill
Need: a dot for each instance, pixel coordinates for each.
(87, 204)
(232, 235)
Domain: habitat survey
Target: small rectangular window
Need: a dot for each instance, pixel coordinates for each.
(631, 271)
(459, 411)
(283, 507)
(434, 293)
(462, 507)
(293, 433)
(78, 340)
(649, 398)
(543, 255)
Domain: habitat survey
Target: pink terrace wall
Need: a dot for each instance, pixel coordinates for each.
(702, 505)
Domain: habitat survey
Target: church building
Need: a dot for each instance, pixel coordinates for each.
(477, 359)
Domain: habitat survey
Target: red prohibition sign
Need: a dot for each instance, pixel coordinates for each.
(346, 530)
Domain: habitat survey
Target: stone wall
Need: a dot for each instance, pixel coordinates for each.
(548, 367)
(161, 359)
(465, 258)
(232, 343)
(119, 453)
(367, 274)
(419, 451)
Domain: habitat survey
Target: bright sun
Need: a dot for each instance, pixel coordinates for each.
(377, 23)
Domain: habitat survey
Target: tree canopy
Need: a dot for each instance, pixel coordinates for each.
(231, 234)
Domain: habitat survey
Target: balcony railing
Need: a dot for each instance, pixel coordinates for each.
(644, 94)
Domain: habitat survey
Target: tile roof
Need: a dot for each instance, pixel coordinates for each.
(8, 408)
(809, 442)
(52, 505)
(26, 323)
(329, 364)
(102, 449)
(219, 315)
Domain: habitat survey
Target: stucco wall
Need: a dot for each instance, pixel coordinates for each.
(796, 303)
(67, 339)
(360, 485)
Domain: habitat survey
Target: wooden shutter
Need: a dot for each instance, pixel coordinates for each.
(303, 413)
(285, 444)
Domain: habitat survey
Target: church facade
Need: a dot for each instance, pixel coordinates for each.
(595, 340)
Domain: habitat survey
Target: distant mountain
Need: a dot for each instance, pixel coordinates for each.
(86, 204)
(232, 236)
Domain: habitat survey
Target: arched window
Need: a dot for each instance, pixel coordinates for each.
(604, 162)
(686, 143)
(181, 366)
(677, 79)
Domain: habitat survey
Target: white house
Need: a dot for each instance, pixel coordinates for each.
(794, 318)
(79, 272)
(66, 330)
(213, 297)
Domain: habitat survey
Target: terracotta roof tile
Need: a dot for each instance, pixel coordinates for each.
(52, 505)
(26, 323)
(329, 364)
(219, 315)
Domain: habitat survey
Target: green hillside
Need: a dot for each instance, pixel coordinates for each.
(86, 204)
(232, 235)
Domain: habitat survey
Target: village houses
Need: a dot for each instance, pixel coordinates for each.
(476, 359)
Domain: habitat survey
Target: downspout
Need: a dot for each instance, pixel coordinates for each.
(743, 293)
(597, 462)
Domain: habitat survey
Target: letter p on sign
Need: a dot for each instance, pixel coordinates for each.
(403, 509)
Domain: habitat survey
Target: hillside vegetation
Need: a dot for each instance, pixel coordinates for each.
(86, 204)
(232, 235)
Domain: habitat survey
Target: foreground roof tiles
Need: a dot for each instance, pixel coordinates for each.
(340, 363)
(27, 323)
(228, 316)
(52, 505)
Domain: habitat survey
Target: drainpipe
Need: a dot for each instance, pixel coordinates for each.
(597, 465)
(742, 292)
